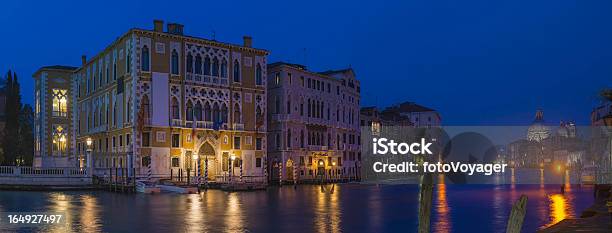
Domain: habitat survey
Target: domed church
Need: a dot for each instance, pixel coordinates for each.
(538, 131)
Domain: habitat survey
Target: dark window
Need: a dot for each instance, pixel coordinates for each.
(237, 142)
(175, 162)
(176, 140)
(258, 143)
(258, 78)
(236, 71)
(145, 139)
(145, 58)
(174, 62)
(257, 162)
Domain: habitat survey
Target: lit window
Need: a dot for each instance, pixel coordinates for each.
(60, 102)
(59, 140)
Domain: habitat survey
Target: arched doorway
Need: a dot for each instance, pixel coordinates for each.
(206, 153)
(321, 167)
(289, 170)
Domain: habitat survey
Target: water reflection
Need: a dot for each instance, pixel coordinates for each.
(194, 219)
(443, 223)
(560, 209)
(234, 219)
(327, 212)
(350, 208)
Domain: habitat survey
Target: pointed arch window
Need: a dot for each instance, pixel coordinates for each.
(144, 60)
(237, 113)
(258, 75)
(224, 113)
(207, 66)
(174, 62)
(198, 64)
(216, 113)
(60, 140)
(60, 102)
(207, 112)
(236, 71)
(224, 69)
(189, 63)
(215, 67)
(198, 111)
(259, 118)
(175, 109)
(189, 111)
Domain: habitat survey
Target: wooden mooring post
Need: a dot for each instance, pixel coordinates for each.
(517, 215)
(425, 196)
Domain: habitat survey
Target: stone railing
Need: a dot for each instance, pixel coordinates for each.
(10, 175)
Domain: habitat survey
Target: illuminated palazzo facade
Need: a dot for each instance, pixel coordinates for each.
(313, 122)
(53, 116)
(160, 99)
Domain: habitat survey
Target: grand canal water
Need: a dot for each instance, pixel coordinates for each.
(351, 208)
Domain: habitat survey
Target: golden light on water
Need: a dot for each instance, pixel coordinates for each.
(327, 210)
(234, 218)
(443, 224)
(559, 209)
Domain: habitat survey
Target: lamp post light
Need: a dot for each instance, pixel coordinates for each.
(232, 158)
(89, 143)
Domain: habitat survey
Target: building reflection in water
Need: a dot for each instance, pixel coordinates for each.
(194, 220)
(327, 210)
(375, 209)
(443, 223)
(234, 218)
(60, 204)
(90, 214)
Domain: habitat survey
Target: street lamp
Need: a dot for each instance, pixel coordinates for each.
(89, 143)
(232, 158)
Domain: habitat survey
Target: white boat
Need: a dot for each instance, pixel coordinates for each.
(147, 187)
(178, 189)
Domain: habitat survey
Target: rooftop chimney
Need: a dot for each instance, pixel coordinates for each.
(83, 60)
(175, 28)
(158, 25)
(248, 41)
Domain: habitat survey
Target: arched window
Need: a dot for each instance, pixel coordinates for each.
(207, 112)
(128, 110)
(224, 113)
(189, 111)
(174, 61)
(146, 107)
(207, 65)
(60, 102)
(175, 109)
(198, 64)
(236, 113)
(236, 71)
(216, 113)
(224, 69)
(215, 67)
(198, 111)
(302, 138)
(288, 138)
(144, 60)
(189, 63)
(258, 78)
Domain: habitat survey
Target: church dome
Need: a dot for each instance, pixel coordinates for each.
(538, 131)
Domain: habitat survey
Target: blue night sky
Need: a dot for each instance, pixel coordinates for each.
(477, 62)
